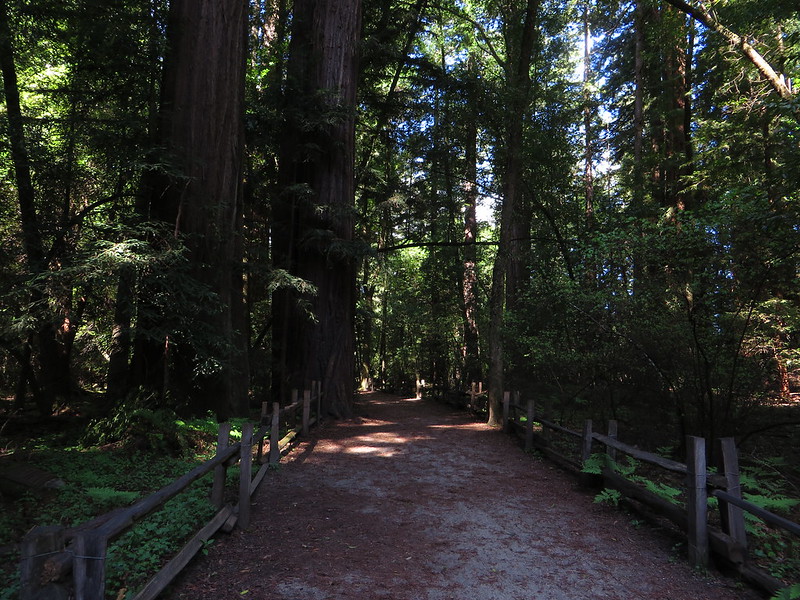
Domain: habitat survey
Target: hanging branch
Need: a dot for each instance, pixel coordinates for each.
(700, 14)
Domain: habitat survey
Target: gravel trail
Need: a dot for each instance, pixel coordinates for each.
(412, 501)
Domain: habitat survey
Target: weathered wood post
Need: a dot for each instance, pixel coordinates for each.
(306, 411)
(89, 566)
(611, 453)
(586, 441)
(472, 394)
(218, 487)
(293, 414)
(245, 468)
(319, 402)
(529, 426)
(697, 501)
(506, 409)
(275, 431)
(39, 544)
(586, 479)
(732, 516)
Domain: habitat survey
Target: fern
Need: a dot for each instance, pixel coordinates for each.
(791, 592)
(608, 496)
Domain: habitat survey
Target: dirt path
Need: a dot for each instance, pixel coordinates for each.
(416, 502)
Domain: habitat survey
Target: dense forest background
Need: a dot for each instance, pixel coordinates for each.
(206, 203)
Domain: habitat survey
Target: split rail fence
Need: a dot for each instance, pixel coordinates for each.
(60, 562)
(728, 540)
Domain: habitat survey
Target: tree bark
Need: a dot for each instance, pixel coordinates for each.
(469, 285)
(313, 217)
(201, 125)
(519, 83)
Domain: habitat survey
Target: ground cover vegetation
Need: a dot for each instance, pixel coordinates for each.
(595, 203)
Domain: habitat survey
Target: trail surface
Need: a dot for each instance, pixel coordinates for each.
(413, 501)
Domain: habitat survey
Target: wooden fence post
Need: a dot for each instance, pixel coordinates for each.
(611, 453)
(218, 487)
(275, 431)
(586, 441)
(245, 475)
(586, 479)
(306, 411)
(293, 415)
(37, 546)
(732, 516)
(697, 501)
(89, 566)
(529, 427)
(472, 394)
(319, 403)
(506, 409)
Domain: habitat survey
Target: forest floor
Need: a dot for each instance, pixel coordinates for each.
(414, 501)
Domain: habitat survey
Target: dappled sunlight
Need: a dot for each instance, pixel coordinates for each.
(473, 426)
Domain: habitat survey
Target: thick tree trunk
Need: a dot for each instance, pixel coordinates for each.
(313, 218)
(201, 127)
(505, 278)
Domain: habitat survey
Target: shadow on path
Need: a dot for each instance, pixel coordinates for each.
(412, 501)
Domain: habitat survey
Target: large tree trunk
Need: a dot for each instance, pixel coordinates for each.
(505, 279)
(201, 128)
(313, 217)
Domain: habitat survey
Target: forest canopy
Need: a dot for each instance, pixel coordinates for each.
(208, 203)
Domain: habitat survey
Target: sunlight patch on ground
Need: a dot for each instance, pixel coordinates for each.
(374, 451)
(465, 426)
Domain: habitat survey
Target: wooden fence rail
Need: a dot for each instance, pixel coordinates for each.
(50, 554)
(728, 541)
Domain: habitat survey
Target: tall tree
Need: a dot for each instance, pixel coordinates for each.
(505, 273)
(200, 197)
(313, 217)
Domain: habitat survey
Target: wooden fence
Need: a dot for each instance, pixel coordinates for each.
(51, 554)
(727, 540)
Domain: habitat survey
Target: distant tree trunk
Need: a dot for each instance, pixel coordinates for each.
(202, 130)
(469, 286)
(588, 148)
(53, 356)
(313, 218)
(519, 83)
(638, 107)
(117, 377)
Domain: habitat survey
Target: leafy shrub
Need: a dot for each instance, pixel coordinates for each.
(135, 423)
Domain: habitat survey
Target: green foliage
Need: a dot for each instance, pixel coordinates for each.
(599, 461)
(109, 498)
(791, 592)
(140, 552)
(137, 421)
(764, 486)
(99, 480)
(608, 496)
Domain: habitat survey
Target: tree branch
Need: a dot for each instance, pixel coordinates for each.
(700, 14)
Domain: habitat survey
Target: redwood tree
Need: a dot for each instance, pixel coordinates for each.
(313, 215)
(199, 195)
